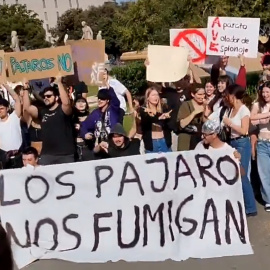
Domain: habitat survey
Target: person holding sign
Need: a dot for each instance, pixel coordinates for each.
(56, 125)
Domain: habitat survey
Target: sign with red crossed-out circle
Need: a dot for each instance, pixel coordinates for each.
(192, 39)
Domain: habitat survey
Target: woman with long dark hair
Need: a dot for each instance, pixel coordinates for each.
(81, 112)
(238, 122)
(260, 115)
(6, 260)
(190, 119)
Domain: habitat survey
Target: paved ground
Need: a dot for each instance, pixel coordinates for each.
(259, 228)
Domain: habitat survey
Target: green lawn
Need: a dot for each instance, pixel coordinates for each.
(128, 121)
(92, 91)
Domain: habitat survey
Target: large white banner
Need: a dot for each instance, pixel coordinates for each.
(233, 36)
(141, 208)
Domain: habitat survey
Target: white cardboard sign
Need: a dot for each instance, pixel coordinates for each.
(141, 208)
(233, 36)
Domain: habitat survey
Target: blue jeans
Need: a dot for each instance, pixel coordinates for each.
(243, 146)
(159, 146)
(263, 163)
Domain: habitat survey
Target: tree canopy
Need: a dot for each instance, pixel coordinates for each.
(27, 24)
(100, 18)
(134, 25)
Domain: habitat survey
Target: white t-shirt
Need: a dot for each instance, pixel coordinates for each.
(225, 147)
(120, 91)
(216, 106)
(264, 128)
(237, 119)
(10, 133)
(8, 97)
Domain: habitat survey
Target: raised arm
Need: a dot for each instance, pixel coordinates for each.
(18, 105)
(130, 101)
(65, 101)
(27, 107)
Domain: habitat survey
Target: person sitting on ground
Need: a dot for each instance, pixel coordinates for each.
(30, 157)
(119, 145)
(99, 123)
(6, 258)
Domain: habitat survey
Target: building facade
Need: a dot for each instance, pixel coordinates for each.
(50, 10)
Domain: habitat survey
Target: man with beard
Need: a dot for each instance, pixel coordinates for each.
(56, 125)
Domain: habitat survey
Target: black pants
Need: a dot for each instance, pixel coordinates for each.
(51, 160)
(121, 116)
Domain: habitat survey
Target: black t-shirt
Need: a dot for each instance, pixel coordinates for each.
(132, 148)
(56, 132)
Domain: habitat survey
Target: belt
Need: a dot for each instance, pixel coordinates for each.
(263, 140)
(238, 138)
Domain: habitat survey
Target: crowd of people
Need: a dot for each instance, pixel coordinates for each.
(55, 127)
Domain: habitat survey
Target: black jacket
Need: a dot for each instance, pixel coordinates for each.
(131, 147)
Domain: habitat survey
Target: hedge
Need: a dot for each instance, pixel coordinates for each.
(132, 75)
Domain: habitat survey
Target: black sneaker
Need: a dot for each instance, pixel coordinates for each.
(267, 208)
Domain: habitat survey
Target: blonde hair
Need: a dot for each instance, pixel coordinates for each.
(147, 94)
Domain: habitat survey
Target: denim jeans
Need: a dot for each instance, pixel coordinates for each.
(159, 146)
(243, 146)
(263, 163)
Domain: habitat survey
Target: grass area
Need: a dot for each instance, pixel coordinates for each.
(128, 121)
(92, 91)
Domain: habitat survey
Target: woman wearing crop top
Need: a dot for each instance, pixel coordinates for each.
(238, 122)
(156, 133)
(260, 115)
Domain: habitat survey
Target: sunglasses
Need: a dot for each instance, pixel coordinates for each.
(206, 135)
(48, 96)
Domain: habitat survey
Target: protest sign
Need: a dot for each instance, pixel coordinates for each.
(39, 64)
(194, 40)
(2, 67)
(164, 64)
(89, 58)
(141, 208)
(233, 36)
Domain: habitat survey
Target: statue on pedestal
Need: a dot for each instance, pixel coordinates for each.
(99, 36)
(87, 32)
(15, 46)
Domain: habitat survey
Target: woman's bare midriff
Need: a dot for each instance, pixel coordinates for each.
(157, 132)
(265, 135)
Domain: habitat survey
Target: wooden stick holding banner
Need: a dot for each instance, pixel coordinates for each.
(39, 64)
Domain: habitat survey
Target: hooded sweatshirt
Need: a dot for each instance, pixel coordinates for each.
(100, 123)
(131, 147)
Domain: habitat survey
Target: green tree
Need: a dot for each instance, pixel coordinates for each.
(100, 18)
(27, 24)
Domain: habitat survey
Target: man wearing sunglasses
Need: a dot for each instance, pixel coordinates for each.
(57, 131)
